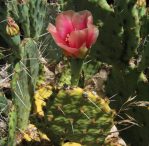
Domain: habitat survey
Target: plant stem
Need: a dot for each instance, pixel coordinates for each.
(76, 68)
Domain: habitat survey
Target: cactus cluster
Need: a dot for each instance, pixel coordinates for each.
(30, 15)
(22, 23)
(64, 109)
(123, 44)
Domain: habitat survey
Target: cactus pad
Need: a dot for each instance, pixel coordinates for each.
(78, 116)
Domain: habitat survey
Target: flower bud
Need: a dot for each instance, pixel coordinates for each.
(22, 1)
(82, 52)
(141, 3)
(12, 28)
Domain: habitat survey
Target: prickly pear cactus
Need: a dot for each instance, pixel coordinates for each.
(21, 24)
(22, 84)
(24, 80)
(123, 44)
(71, 113)
(77, 115)
(29, 14)
(22, 19)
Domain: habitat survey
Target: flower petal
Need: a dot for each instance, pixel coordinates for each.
(68, 50)
(54, 33)
(93, 33)
(77, 38)
(64, 23)
(81, 19)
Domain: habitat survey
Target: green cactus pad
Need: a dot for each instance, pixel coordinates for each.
(30, 15)
(24, 80)
(78, 116)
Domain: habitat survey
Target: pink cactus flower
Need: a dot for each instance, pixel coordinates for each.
(74, 32)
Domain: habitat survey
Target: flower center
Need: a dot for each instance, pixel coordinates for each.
(67, 38)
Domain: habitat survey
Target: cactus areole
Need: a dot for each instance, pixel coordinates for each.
(74, 32)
